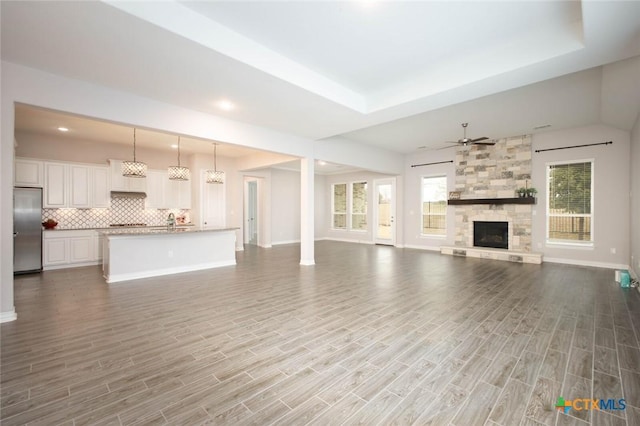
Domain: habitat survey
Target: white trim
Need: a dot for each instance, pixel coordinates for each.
(607, 265)
(429, 248)
(8, 316)
(593, 198)
(565, 244)
(113, 278)
(350, 206)
(307, 262)
(392, 181)
(421, 204)
(346, 206)
(344, 240)
(264, 245)
(277, 243)
(71, 265)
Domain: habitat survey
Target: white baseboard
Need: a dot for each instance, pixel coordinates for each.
(307, 262)
(277, 243)
(345, 240)
(586, 263)
(417, 247)
(71, 265)
(8, 316)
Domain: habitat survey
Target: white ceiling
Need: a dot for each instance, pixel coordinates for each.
(397, 75)
(46, 122)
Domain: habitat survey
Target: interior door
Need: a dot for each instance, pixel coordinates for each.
(385, 211)
(251, 212)
(213, 204)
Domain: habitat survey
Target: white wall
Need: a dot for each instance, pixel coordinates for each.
(322, 206)
(634, 215)
(285, 206)
(64, 149)
(413, 198)
(611, 193)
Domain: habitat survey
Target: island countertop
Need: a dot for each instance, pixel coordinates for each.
(129, 232)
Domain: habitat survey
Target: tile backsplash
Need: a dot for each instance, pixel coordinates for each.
(122, 210)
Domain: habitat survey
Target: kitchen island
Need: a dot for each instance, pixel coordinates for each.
(130, 254)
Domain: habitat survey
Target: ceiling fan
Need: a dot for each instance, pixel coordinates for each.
(466, 141)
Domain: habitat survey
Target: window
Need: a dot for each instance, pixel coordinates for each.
(434, 205)
(339, 204)
(569, 202)
(359, 206)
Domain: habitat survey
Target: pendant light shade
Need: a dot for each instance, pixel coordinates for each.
(215, 176)
(178, 172)
(134, 168)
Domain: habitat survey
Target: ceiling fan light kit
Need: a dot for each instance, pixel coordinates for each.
(466, 141)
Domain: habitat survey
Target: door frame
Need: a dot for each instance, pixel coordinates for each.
(385, 181)
(246, 237)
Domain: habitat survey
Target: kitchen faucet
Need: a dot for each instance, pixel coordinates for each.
(171, 222)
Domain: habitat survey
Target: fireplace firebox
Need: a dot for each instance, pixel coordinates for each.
(491, 234)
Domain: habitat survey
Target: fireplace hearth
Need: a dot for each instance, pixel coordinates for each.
(491, 234)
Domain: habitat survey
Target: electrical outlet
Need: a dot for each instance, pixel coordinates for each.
(613, 250)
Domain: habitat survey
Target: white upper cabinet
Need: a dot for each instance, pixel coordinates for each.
(80, 186)
(101, 187)
(157, 181)
(163, 193)
(28, 173)
(55, 185)
(75, 185)
(180, 194)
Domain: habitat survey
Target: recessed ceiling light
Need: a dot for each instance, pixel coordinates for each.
(322, 163)
(174, 146)
(63, 129)
(226, 105)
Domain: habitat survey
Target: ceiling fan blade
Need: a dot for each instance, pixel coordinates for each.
(484, 138)
(484, 143)
(444, 147)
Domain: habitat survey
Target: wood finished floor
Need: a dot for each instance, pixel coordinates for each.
(370, 335)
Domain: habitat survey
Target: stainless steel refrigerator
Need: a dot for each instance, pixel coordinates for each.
(27, 230)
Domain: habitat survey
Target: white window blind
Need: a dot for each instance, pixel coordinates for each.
(570, 200)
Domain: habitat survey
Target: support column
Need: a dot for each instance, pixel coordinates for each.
(7, 309)
(307, 237)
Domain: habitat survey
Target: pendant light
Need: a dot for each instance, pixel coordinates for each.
(214, 176)
(178, 172)
(134, 168)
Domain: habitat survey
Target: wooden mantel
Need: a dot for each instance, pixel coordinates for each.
(518, 200)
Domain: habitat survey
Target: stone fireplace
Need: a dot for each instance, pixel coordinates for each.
(494, 172)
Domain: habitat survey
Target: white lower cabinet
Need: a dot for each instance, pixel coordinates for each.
(55, 251)
(70, 248)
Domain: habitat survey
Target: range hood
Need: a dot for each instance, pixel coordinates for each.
(127, 194)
